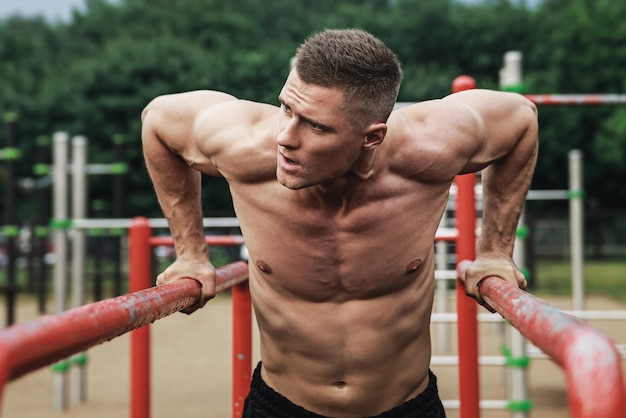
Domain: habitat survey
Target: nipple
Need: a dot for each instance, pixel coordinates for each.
(413, 265)
(264, 267)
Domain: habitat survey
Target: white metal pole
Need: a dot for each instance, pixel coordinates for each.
(59, 223)
(79, 211)
(576, 222)
(442, 289)
(511, 73)
(517, 387)
(517, 372)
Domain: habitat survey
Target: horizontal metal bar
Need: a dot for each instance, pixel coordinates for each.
(34, 344)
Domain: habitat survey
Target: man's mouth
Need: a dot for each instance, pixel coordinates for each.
(288, 163)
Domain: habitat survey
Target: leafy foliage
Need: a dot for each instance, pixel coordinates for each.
(93, 75)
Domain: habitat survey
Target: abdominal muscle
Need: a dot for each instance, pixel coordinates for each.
(345, 356)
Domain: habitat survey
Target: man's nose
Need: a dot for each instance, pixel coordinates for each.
(287, 135)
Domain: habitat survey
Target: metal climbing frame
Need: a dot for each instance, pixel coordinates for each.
(589, 359)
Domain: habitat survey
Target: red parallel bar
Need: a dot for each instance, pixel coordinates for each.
(242, 346)
(467, 325)
(43, 341)
(141, 243)
(210, 240)
(590, 360)
(576, 99)
(140, 278)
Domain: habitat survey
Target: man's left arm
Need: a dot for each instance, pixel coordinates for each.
(510, 148)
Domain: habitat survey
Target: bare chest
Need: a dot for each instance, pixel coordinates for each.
(377, 247)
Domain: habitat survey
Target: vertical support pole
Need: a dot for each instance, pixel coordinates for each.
(242, 346)
(60, 223)
(11, 154)
(442, 289)
(118, 201)
(79, 211)
(517, 386)
(576, 221)
(511, 73)
(97, 205)
(467, 325)
(466, 306)
(41, 229)
(140, 272)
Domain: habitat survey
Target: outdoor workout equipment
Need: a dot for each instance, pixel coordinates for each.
(21, 350)
(468, 361)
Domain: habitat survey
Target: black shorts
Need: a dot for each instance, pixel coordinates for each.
(265, 402)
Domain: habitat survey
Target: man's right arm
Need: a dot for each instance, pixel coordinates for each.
(169, 139)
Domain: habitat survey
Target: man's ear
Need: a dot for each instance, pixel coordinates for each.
(375, 135)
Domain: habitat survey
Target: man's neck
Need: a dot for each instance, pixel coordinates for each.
(341, 191)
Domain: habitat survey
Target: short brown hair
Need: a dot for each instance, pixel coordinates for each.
(358, 63)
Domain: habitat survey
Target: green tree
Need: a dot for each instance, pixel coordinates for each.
(579, 49)
(94, 74)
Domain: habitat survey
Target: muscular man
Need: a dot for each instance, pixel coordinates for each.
(339, 199)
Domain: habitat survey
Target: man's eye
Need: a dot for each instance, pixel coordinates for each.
(316, 127)
(285, 108)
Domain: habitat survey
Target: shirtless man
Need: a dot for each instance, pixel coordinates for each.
(339, 199)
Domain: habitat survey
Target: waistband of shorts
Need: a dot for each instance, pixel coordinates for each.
(274, 404)
(423, 405)
(426, 404)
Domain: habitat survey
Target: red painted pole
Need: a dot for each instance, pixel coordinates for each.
(592, 364)
(242, 346)
(140, 264)
(467, 326)
(576, 99)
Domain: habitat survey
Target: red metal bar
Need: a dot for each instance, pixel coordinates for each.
(140, 272)
(576, 99)
(43, 341)
(242, 346)
(467, 325)
(141, 243)
(210, 240)
(591, 362)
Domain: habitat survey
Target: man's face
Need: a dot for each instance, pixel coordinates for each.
(316, 141)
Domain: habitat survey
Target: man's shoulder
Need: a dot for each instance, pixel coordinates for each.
(424, 142)
(205, 103)
(236, 113)
(240, 137)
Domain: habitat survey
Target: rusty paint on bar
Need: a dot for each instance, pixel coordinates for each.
(27, 347)
(590, 360)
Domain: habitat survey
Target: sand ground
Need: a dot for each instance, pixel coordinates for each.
(191, 370)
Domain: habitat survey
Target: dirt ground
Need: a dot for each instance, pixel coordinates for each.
(191, 371)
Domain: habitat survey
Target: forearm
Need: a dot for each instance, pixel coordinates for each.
(177, 188)
(505, 185)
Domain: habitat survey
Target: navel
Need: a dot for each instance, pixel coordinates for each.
(340, 384)
(413, 265)
(264, 267)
